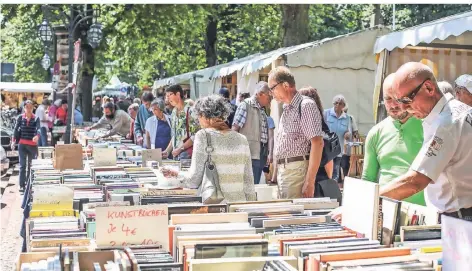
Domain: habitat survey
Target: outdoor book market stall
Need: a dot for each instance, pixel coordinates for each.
(107, 204)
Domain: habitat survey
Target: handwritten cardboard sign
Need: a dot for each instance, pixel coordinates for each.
(152, 155)
(456, 235)
(104, 157)
(68, 156)
(132, 225)
(53, 197)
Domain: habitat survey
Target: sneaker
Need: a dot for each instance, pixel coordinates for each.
(22, 189)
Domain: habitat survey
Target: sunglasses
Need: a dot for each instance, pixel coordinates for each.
(272, 88)
(409, 98)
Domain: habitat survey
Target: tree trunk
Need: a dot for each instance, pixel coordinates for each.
(210, 41)
(377, 15)
(295, 24)
(85, 84)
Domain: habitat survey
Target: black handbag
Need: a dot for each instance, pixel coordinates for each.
(332, 146)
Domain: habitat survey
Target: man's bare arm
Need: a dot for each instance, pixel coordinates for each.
(405, 186)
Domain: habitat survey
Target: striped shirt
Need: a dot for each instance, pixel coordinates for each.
(296, 130)
(26, 129)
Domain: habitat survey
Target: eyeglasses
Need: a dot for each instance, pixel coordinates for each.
(409, 98)
(340, 103)
(272, 88)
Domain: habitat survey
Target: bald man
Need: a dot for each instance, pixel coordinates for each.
(443, 165)
(392, 145)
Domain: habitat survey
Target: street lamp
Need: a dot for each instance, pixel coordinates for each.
(46, 61)
(72, 21)
(45, 33)
(94, 35)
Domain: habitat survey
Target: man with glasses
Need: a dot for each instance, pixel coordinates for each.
(299, 143)
(442, 166)
(392, 145)
(250, 120)
(464, 89)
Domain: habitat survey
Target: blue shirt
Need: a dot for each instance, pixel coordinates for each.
(152, 126)
(270, 123)
(78, 118)
(337, 125)
(140, 121)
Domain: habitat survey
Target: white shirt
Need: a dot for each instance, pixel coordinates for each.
(151, 126)
(446, 155)
(41, 114)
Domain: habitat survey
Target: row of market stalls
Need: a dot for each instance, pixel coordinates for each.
(353, 65)
(13, 92)
(445, 45)
(333, 66)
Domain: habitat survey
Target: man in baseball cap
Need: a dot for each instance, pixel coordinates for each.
(464, 89)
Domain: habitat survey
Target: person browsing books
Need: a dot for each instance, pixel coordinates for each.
(118, 121)
(158, 131)
(392, 145)
(299, 143)
(229, 152)
(183, 125)
(442, 166)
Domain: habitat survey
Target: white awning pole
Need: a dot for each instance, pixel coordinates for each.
(393, 19)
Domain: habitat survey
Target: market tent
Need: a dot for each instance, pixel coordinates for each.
(26, 87)
(334, 66)
(113, 88)
(444, 45)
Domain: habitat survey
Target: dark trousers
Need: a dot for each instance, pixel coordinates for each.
(26, 153)
(43, 140)
(337, 169)
(345, 164)
(258, 165)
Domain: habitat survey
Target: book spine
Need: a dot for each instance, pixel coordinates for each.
(380, 222)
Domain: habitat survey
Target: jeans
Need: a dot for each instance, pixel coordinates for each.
(182, 155)
(258, 165)
(43, 139)
(27, 153)
(337, 169)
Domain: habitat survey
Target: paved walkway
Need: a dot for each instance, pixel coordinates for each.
(11, 217)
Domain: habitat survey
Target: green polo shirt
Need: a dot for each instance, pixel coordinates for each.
(390, 149)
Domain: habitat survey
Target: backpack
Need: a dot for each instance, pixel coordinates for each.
(332, 146)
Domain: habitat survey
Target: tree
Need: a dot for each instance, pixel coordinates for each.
(20, 43)
(295, 24)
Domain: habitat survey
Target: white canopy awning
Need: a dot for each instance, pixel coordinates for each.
(26, 87)
(426, 33)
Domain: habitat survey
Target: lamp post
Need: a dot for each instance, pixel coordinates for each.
(76, 18)
(46, 61)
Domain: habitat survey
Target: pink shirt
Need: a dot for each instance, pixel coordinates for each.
(52, 115)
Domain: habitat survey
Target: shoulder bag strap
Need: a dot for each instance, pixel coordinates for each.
(324, 126)
(209, 147)
(187, 128)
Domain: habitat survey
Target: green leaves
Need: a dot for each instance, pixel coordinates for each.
(138, 37)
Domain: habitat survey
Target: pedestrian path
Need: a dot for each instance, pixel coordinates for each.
(11, 216)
